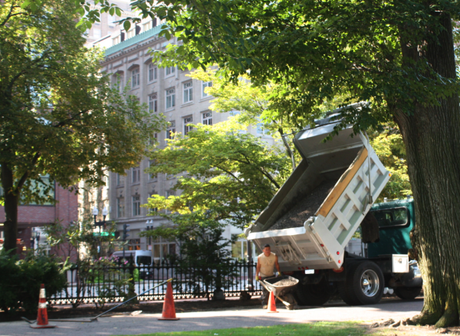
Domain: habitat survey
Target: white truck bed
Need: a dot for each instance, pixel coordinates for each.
(318, 242)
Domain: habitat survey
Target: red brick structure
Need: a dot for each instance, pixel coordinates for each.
(30, 216)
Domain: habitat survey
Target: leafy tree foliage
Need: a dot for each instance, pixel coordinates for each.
(253, 105)
(59, 115)
(389, 146)
(222, 170)
(399, 55)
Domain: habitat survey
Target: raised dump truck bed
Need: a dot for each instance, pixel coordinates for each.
(315, 213)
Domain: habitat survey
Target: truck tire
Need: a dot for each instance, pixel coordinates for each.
(312, 294)
(407, 293)
(364, 284)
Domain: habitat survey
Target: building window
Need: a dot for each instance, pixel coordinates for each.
(153, 103)
(153, 72)
(120, 180)
(187, 127)
(136, 205)
(170, 98)
(203, 90)
(135, 78)
(188, 92)
(162, 248)
(169, 71)
(171, 130)
(120, 207)
(136, 175)
(206, 118)
(117, 82)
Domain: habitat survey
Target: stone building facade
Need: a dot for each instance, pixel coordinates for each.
(170, 91)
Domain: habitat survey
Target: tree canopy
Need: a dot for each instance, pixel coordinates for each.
(224, 174)
(59, 115)
(398, 55)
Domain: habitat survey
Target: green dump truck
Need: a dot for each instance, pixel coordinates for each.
(311, 220)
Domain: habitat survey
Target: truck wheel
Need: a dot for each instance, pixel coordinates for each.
(364, 284)
(407, 293)
(312, 295)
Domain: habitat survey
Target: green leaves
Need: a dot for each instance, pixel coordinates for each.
(58, 114)
(224, 172)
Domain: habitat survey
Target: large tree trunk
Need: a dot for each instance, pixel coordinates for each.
(11, 209)
(432, 138)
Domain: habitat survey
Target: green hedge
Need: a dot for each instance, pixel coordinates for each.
(20, 280)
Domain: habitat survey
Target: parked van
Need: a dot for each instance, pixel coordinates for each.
(140, 257)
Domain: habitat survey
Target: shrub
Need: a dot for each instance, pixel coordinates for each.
(21, 286)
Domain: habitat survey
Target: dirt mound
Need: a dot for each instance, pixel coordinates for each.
(305, 208)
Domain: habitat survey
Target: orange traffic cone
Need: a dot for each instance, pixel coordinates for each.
(169, 311)
(271, 304)
(42, 316)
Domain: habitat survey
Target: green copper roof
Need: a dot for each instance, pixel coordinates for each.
(133, 40)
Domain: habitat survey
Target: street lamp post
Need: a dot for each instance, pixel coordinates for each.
(35, 240)
(99, 223)
(150, 243)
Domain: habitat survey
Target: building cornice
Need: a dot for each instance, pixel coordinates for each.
(141, 41)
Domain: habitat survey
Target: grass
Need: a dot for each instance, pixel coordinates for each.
(310, 329)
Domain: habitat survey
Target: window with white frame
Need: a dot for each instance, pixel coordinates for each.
(120, 207)
(187, 121)
(169, 71)
(153, 72)
(136, 205)
(171, 130)
(205, 85)
(135, 77)
(206, 118)
(136, 174)
(153, 103)
(170, 98)
(188, 92)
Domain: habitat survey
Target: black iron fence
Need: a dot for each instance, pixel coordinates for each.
(103, 284)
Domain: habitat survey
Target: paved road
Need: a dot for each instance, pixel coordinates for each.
(222, 319)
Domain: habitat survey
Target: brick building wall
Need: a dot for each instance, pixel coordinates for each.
(35, 216)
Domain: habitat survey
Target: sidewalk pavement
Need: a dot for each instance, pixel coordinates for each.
(222, 319)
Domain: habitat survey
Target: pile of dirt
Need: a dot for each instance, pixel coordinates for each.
(285, 282)
(305, 208)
